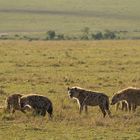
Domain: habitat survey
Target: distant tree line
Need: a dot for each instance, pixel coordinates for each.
(86, 34)
(51, 35)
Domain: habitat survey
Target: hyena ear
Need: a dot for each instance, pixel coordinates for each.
(68, 88)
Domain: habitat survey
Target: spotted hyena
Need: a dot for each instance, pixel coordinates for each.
(39, 103)
(12, 102)
(130, 94)
(122, 105)
(90, 98)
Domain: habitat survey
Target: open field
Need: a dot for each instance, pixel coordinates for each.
(36, 17)
(48, 68)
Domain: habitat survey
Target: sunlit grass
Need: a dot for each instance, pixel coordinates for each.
(48, 68)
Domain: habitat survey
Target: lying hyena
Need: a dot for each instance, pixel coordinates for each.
(130, 94)
(122, 105)
(12, 102)
(90, 98)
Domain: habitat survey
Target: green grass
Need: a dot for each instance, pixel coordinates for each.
(48, 68)
(36, 17)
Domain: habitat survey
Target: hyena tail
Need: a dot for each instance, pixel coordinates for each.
(50, 109)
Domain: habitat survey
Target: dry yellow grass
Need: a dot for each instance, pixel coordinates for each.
(48, 68)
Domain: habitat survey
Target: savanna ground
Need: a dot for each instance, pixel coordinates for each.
(48, 68)
(35, 17)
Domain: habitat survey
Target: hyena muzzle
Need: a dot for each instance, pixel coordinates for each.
(90, 98)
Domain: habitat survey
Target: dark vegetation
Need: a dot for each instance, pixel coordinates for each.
(86, 34)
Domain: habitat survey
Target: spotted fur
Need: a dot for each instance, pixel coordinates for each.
(90, 98)
(131, 95)
(39, 103)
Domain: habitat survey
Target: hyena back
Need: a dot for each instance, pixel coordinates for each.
(89, 98)
(12, 102)
(130, 94)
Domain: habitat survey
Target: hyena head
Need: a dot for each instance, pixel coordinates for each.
(12, 101)
(73, 92)
(116, 98)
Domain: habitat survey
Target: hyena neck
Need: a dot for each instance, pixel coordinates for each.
(80, 98)
(122, 97)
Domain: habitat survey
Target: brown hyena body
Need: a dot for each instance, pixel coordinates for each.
(89, 98)
(39, 103)
(122, 105)
(131, 95)
(12, 102)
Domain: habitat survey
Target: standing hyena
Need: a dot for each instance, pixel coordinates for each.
(89, 98)
(12, 102)
(39, 103)
(130, 94)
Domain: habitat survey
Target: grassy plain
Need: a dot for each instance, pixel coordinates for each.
(69, 17)
(48, 68)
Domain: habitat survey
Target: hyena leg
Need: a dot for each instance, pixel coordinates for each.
(50, 111)
(80, 110)
(123, 106)
(43, 113)
(35, 112)
(103, 110)
(134, 107)
(117, 106)
(126, 107)
(13, 111)
(106, 108)
(86, 109)
(8, 107)
(129, 107)
(38, 111)
(108, 112)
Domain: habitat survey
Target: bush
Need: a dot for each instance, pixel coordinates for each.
(109, 35)
(85, 35)
(51, 35)
(60, 37)
(97, 36)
